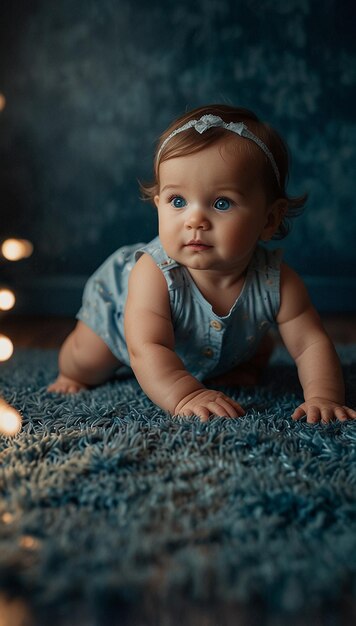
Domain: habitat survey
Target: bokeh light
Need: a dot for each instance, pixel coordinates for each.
(10, 420)
(16, 249)
(7, 299)
(6, 348)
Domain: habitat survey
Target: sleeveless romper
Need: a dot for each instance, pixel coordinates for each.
(207, 343)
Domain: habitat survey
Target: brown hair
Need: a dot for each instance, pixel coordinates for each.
(190, 141)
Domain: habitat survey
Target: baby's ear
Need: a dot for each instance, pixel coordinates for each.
(156, 200)
(275, 214)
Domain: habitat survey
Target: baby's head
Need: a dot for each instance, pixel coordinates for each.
(271, 161)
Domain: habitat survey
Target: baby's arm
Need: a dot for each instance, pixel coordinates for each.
(307, 342)
(150, 341)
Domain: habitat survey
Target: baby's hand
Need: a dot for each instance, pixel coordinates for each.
(206, 402)
(320, 409)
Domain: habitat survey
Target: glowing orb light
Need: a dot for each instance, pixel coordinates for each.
(2, 102)
(6, 348)
(10, 420)
(16, 249)
(7, 299)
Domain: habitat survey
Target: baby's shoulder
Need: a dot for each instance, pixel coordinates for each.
(294, 294)
(145, 268)
(289, 277)
(156, 251)
(147, 288)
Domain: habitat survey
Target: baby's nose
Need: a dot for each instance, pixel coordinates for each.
(197, 219)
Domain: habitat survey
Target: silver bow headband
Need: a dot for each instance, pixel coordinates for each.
(210, 121)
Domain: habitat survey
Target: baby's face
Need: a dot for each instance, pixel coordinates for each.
(212, 207)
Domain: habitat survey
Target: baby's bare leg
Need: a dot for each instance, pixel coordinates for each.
(84, 360)
(249, 373)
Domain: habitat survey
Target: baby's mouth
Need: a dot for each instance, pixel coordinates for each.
(197, 244)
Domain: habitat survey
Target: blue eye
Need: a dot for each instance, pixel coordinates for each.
(222, 204)
(178, 202)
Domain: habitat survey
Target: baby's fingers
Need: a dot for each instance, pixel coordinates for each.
(325, 414)
(224, 408)
(312, 413)
(343, 413)
(298, 413)
(231, 408)
(209, 403)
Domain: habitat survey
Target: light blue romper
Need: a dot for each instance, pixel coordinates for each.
(207, 343)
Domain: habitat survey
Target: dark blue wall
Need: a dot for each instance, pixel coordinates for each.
(90, 85)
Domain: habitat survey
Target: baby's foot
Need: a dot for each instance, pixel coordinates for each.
(63, 384)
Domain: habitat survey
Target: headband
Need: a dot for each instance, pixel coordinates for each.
(212, 121)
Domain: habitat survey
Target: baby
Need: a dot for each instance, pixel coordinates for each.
(191, 309)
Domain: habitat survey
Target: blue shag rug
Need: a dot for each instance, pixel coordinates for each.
(109, 507)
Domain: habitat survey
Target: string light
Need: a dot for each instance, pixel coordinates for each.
(10, 420)
(16, 249)
(6, 348)
(7, 299)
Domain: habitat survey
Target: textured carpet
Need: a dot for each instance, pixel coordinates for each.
(108, 502)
